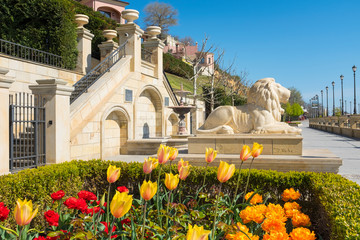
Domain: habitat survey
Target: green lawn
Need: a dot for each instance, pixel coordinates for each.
(176, 81)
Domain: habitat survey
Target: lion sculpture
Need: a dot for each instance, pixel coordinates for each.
(262, 113)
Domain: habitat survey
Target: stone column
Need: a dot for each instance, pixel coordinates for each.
(156, 46)
(5, 83)
(57, 116)
(109, 45)
(132, 33)
(84, 38)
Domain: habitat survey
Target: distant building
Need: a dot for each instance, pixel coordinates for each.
(183, 51)
(109, 8)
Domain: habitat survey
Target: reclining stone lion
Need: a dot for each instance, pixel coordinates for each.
(262, 113)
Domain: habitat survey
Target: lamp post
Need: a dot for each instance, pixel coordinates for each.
(342, 95)
(333, 84)
(354, 69)
(327, 101)
(322, 103)
(350, 107)
(345, 107)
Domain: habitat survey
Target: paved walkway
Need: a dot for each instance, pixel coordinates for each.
(346, 148)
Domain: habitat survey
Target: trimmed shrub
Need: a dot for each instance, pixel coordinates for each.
(176, 66)
(331, 201)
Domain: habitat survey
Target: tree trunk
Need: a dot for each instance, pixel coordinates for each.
(212, 100)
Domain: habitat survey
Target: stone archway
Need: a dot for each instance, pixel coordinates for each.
(114, 132)
(148, 114)
(172, 124)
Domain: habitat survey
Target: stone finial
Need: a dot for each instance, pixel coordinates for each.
(130, 15)
(81, 20)
(109, 35)
(153, 31)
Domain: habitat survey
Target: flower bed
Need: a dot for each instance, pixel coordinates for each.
(330, 201)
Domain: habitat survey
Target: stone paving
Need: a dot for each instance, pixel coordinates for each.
(346, 148)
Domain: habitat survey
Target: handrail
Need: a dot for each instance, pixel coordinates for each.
(31, 54)
(172, 90)
(146, 55)
(91, 77)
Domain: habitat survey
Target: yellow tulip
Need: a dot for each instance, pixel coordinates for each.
(210, 155)
(197, 233)
(171, 181)
(225, 171)
(150, 164)
(24, 212)
(163, 154)
(256, 150)
(148, 190)
(113, 174)
(184, 172)
(120, 204)
(182, 163)
(173, 153)
(245, 153)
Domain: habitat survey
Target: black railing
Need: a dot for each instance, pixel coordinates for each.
(90, 78)
(31, 54)
(146, 55)
(172, 90)
(27, 131)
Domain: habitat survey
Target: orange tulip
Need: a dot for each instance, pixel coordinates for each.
(171, 181)
(182, 163)
(210, 155)
(173, 153)
(148, 190)
(256, 150)
(120, 204)
(225, 171)
(184, 172)
(163, 154)
(113, 174)
(149, 165)
(24, 212)
(245, 153)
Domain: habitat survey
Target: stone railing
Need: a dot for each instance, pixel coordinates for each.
(343, 125)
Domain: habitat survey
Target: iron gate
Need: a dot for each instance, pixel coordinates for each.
(27, 131)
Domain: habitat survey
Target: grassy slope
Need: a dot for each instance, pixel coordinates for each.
(176, 81)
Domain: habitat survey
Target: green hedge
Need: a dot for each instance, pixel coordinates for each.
(176, 66)
(331, 201)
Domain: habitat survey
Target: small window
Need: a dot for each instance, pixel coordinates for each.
(128, 95)
(107, 14)
(166, 101)
(202, 61)
(209, 60)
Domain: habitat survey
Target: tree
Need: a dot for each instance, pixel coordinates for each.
(296, 110)
(188, 41)
(160, 14)
(295, 96)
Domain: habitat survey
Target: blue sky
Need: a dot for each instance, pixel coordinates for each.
(305, 44)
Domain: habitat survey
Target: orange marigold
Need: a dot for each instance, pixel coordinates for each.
(275, 212)
(300, 220)
(290, 194)
(252, 214)
(291, 208)
(271, 224)
(255, 199)
(302, 234)
(241, 235)
(274, 235)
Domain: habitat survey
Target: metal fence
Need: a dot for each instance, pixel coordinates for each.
(90, 78)
(27, 131)
(146, 55)
(31, 54)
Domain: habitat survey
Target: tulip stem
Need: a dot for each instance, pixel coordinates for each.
(167, 211)
(170, 166)
(216, 208)
(180, 191)
(107, 205)
(157, 197)
(248, 178)
(238, 182)
(207, 164)
(143, 229)
(111, 228)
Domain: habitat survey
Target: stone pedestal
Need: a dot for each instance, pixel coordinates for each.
(84, 50)
(57, 107)
(132, 33)
(274, 144)
(156, 46)
(106, 48)
(5, 83)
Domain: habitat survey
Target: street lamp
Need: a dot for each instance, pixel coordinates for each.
(342, 95)
(322, 103)
(333, 84)
(327, 101)
(317, 107)
(354, 69)
(345, 107)
(350, 107)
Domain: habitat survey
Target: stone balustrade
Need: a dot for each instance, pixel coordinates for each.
(344, 125)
